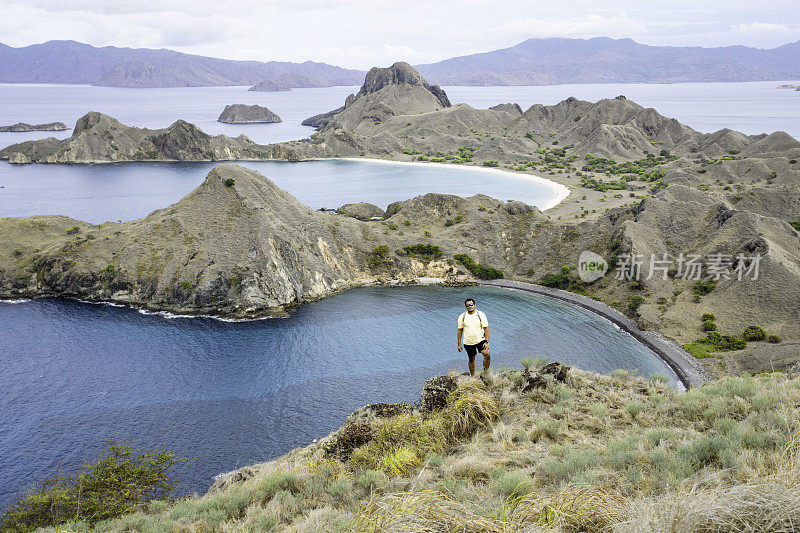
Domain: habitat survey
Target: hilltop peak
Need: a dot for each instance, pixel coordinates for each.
(400, 73)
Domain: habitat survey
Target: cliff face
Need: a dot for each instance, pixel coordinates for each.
(100, 138)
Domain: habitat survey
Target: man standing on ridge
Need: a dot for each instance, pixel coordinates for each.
(474, 327)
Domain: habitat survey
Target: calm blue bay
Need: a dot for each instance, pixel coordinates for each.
(232, 393)
(228, 394)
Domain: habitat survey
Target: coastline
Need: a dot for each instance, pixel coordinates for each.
(561, 191)
(690, 372)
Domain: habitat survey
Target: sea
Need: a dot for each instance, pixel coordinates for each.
(229, 394)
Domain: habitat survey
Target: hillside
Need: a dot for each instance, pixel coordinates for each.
(603, 60)
(109, 66)
(533, 450)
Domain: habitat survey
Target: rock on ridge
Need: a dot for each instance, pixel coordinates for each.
(401, 73)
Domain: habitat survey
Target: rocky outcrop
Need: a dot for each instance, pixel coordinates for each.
(22, 127)
(387, 92)
(98, 138)
(361, 211)
(247, 114)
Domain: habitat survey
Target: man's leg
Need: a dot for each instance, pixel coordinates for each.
(487, 356)
(472, 365)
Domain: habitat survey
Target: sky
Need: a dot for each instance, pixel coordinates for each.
(361, 34)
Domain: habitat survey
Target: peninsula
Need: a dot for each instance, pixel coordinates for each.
(23, 127)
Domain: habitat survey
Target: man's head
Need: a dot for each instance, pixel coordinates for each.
(469, 303)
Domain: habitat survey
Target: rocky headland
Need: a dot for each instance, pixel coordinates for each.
(98, 138)
(23, 127)
(247, 114)
(642, 185)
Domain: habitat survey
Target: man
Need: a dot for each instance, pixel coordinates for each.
(474, 327)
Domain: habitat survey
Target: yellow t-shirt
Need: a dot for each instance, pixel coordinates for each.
(473, 325)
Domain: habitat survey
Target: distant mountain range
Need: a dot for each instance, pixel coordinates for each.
(532, 62)
(604, 60)
(73, 62)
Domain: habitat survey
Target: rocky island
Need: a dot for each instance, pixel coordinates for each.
(23, 127)
(642, 185)
(287, 82)
(247, 114)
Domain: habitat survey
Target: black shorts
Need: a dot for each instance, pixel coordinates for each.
(472, 349)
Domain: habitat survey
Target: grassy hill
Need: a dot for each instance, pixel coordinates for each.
(589, 453)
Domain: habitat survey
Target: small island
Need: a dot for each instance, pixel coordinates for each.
(23, 127)
(247, 114)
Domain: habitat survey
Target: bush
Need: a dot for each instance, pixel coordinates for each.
(515, 483)
(121, 480)
(426, 252)
(709, 325)
(230, 182)
(369, 479)
(753, 333)
(774, 339)
(478, 270)
(108, 268)
(490, 163)
(634, 302)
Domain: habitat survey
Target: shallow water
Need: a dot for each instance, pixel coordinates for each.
(232, 393)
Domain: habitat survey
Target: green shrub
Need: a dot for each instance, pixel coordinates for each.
(478, 270)
(708, 316)
(795, 224)
(774, 339)
(709, 325)
(634, 302)
(426, 252)
(340, 488)
(701, 288)
(369, 479)
(275, 483)
(490, 163)
(122, 479)
(230, 182)
(714, 342)
(753, 333)
(514, 483)
(108, 268)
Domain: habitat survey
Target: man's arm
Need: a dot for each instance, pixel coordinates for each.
(486, 333)
(460, 332)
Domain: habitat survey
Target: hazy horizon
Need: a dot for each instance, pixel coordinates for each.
(359, 34)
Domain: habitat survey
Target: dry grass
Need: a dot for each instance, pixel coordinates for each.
(600, 453)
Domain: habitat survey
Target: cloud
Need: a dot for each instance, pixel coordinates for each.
(363, 33)
(768, 28)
